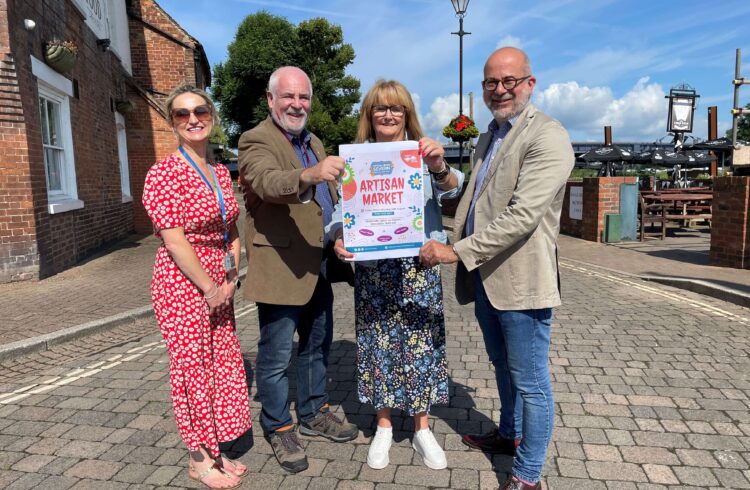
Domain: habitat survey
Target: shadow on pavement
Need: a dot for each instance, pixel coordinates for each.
(237, 448)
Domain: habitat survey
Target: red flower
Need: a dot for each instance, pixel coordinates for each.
(461, 127)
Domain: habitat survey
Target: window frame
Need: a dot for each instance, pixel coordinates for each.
(122, 156)
(58, 89)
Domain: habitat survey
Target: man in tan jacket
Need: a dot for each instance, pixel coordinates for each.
(289, 187)
(505, 244)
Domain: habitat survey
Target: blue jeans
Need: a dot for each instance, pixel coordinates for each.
(517, 344)
(313, 322)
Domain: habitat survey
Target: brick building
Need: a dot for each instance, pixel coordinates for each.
(76, 142)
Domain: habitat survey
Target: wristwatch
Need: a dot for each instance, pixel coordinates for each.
(438, 176)
(237, 282)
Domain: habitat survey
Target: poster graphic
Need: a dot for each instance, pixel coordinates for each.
(383, 199)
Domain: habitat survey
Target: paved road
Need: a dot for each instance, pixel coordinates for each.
(652, 389)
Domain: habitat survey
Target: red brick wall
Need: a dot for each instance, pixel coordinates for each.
(48, 243)
(569, 226)
(601, 195)
(34, 243)
(160, 62)
(150, 139)
(18, 250)
(730, 234)
(163, 57)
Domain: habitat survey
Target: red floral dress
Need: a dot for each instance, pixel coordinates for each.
(207, 375)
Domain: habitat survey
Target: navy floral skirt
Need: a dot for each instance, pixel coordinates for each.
(400, 335)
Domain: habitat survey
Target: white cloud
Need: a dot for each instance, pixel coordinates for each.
(442, 110)
(639, 115)
(510, 41)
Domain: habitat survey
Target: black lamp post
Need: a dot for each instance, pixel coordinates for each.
(460, 6)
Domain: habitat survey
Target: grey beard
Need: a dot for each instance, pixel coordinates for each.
(500, 119)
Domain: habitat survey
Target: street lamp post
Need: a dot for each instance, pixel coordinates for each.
(460, 6)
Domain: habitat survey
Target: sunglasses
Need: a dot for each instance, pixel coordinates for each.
(182, 115)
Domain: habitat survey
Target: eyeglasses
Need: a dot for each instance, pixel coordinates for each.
(182, 115)
(508, 83)
(396, 110)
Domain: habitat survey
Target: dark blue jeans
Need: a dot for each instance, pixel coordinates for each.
(313, 323)
(517, 344)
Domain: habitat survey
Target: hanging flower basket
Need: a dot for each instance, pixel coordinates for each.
(61, 55)
(461, 128)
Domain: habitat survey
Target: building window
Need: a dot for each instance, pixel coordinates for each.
(55, 92)
(57, 145)
(122, 155)
(54, 153)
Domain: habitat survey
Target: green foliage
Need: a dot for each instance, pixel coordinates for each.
(265, 42)
(218, 136)
(582, 173)
(461, 128)
(743, 127)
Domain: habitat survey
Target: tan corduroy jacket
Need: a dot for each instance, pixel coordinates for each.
(516, 216)
(284, 235)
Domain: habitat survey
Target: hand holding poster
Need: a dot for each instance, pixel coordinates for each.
(383, 199)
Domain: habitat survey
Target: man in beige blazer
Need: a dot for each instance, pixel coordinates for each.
(505, 244)
(289, 187)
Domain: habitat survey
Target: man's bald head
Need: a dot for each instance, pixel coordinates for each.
(507, 66)
(509, 54)
(287, 71)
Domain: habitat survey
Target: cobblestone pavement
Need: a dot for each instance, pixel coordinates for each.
(107, 284)
(651, 386)
(114, 281)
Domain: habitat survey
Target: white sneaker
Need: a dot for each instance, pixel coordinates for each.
(377, 455)
(432, 454)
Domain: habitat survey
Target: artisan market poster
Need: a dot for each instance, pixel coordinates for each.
(383, 199)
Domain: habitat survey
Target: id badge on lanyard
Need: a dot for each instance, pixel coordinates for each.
(230, 263)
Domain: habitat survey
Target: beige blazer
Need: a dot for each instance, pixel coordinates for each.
(284, 235)
(516, 217)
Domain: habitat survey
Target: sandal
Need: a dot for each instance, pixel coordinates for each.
(234, 466)
(203, 474)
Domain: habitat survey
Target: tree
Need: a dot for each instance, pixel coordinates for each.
(265, 42)
(743, 127)
(219, 138)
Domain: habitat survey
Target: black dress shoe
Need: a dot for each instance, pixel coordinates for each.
(491, 443)
(514, 484)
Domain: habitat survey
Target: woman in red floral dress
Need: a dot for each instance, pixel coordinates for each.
(195, 278)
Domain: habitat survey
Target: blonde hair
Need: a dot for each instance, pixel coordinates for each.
(388, 92)
(189, 89)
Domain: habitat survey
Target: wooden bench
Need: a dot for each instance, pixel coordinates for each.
(650, 214)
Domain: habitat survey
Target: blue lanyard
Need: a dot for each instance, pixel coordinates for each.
(218, 190)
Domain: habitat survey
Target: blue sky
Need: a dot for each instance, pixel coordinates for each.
(597, 62)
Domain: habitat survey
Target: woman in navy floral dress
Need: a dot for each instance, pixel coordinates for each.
(399, 303)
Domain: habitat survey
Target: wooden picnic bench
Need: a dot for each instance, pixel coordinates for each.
(686, 207)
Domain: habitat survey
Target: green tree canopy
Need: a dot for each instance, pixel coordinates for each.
(743, 127)
(265, 42)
